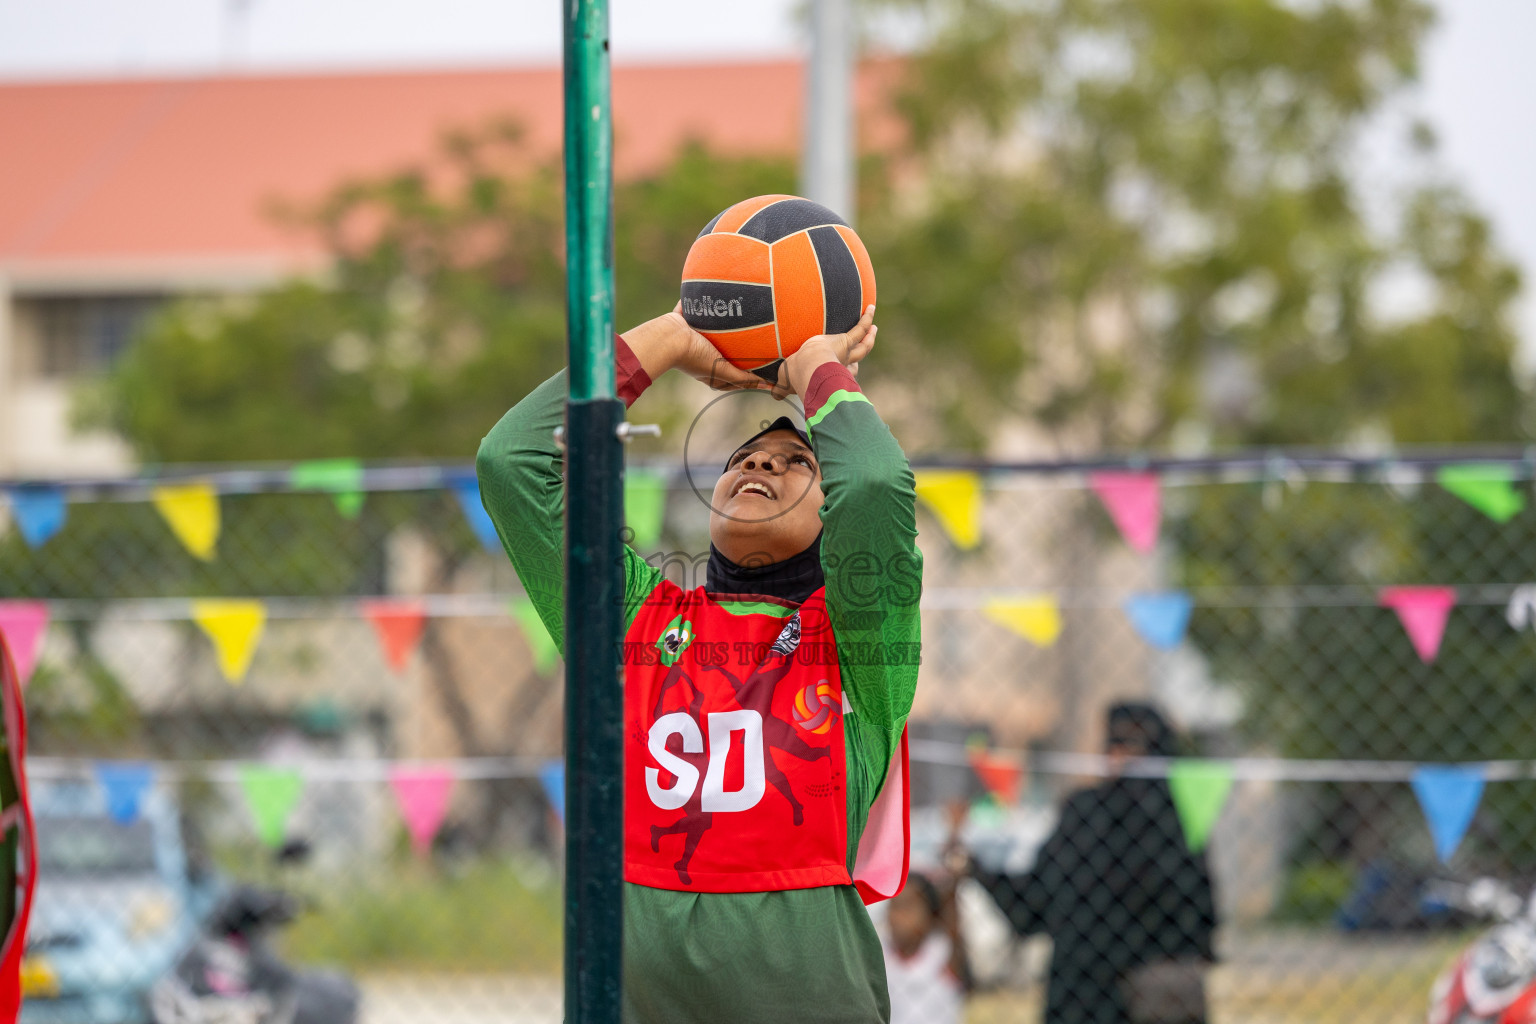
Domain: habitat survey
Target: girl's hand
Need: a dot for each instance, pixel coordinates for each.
(955, 858)
(848, 349)
(667, 342)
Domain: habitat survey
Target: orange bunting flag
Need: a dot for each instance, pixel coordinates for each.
(1001, 775)
(399, 625)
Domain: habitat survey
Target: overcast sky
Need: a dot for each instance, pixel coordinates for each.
(1478, 91)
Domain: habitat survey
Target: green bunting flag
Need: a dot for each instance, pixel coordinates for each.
(271, 794)
(1487, 487)
(645, 506)
(1200, 791)
(342, 478)
(545, 653)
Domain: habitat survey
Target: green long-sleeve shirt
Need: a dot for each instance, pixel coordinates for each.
(802, 954)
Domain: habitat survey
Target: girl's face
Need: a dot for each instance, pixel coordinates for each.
(766, 506)
(1125, 742)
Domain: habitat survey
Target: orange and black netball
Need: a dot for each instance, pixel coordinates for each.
(769, 273)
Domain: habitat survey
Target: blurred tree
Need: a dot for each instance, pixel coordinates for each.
(445, 301)
(1120, 216)
(1136, 223)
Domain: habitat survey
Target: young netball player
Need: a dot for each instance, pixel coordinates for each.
(764, 710)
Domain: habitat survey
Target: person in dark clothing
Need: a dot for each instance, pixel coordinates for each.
(1128, 906)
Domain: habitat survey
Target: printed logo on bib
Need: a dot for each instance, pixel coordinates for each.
(815, 707)
(674, 640)
(789, 637)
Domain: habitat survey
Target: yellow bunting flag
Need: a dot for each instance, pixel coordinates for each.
(954, 497)
(235, 629)
(1036, 619)
(192, 510)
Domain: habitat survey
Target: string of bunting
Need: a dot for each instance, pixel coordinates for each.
(422, 790)
(1448, 794)
(1131, 497)
(190, 507)
(235, 626)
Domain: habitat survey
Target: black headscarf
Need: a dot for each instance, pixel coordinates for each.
(1161, 740)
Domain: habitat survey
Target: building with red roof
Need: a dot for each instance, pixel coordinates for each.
(118, 194)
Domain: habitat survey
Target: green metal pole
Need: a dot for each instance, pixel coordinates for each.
(594, 460)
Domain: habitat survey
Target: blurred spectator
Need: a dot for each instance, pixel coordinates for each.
(925, 962)
(1128, 906)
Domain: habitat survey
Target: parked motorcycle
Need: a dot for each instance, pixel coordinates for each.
(1494, 980)
(230, 974)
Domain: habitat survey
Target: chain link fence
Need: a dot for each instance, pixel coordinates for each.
(343, 697)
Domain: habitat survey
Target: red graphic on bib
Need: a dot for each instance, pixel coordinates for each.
(778, 733)
(716, 758)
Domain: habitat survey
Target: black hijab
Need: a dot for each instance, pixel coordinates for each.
(1148, 721)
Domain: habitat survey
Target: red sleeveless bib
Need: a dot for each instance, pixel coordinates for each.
(734, 765)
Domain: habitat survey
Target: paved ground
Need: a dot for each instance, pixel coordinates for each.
(471, 999)
(1269, 977)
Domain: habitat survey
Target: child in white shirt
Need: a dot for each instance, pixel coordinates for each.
(925, 963)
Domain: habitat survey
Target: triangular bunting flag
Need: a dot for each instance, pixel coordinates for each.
(1423, 612)
(125, 784)
(192, 510)
(39, 513)
(645, 506)
(954, 498)
(1036, 619)
(1487, 487)
(1200, 791)
(1002, 776)
(235, 628)
(552, 778)
(399, 625)
(1134, 502)
(1161, 619)
(271, 794)
(422, 793)
(468, 493)
(342, 478)
(24, 623)
(1448, 795)
(545, 653)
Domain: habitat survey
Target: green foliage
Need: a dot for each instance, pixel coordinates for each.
(490, 917)
(445, 303)
(1126, 215)
(1314, 892)
(1130, 222)
(1330, 674)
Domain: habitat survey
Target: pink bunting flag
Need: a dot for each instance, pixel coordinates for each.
(399, 625)
(1134, 502)
(1423, 612)
(23, 623)
(422, 792)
